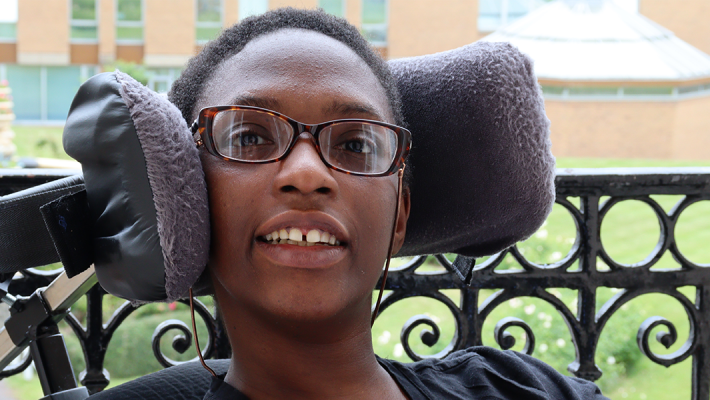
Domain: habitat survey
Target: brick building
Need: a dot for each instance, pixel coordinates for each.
(616, 84)
(48, 47)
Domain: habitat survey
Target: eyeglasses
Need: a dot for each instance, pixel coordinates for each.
(257, 135)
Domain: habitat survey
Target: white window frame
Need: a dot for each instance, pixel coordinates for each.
(86, 71)
(208, 24)
(505, 13)
(677, 93)
(345, 7)
(84, 22)
(129, 24)
(241, 16)
(168, 79)
(384, 25)
(11, 21)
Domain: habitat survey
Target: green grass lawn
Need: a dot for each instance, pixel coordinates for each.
(45, 142)
(629, 233)
(654, 382)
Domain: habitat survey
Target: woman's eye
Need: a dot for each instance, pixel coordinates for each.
(249, 137)
(358, 145)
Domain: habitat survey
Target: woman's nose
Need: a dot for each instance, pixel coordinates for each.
(303, 170)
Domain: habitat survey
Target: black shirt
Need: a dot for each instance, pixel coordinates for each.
(480, 373)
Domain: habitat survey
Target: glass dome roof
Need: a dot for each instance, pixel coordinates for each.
(596, 40)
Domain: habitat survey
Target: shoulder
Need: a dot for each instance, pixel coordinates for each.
(186, 381)
(487, 373)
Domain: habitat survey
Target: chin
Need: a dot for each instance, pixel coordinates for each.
(297, 298)
(303, 308)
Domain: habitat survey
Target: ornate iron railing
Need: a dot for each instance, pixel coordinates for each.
(585, 325)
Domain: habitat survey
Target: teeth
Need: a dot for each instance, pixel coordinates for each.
(295, 235)
(313, 236)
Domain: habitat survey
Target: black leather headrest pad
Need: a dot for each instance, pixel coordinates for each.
(144, 186)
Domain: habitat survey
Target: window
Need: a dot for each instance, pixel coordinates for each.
(161, 79)
(648, 91)
(335, 7)
(83, 21)
(694, 89)
(129, 21)
(374, 21)
(607, 93)
(209, 19)
(247, 8)
(8, 20)
(45, 93)
(493, 14)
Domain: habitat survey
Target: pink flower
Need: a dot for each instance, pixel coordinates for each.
(172, 306)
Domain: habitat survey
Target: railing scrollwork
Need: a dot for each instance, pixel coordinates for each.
(579, 192)
(183, 342)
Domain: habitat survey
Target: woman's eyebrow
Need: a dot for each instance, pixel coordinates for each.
(261, 102)
(337, 107)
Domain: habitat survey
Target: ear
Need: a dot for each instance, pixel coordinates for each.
(402, 217)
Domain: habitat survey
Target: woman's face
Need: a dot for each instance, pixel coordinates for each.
(311, 78)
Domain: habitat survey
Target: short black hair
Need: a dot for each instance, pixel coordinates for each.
(188, 87)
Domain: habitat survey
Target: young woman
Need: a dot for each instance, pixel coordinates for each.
(303, 214)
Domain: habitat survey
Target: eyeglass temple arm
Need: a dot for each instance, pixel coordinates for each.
(195, 133)
(400, 176)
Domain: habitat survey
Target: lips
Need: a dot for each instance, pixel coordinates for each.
(302, 239)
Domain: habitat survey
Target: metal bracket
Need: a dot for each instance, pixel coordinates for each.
(34, 323)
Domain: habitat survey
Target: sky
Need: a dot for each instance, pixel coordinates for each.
(8, 10)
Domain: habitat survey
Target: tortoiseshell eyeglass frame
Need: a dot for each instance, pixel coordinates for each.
(202, 133)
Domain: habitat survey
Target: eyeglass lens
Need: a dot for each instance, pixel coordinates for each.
(252, 135)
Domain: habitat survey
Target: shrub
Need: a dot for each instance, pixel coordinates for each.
(130, 351)
(136, 71)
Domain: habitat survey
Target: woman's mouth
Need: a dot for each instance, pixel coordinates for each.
(304, 240)
(301, 237)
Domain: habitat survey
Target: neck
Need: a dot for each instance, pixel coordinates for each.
(304, 360)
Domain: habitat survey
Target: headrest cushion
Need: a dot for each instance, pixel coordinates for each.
(483, 166)
(145, 188)
(483, 173)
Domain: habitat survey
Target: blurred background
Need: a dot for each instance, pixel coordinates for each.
(626, 84)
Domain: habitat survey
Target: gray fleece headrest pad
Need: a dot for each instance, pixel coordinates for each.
(145, 188)
(483, 172)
